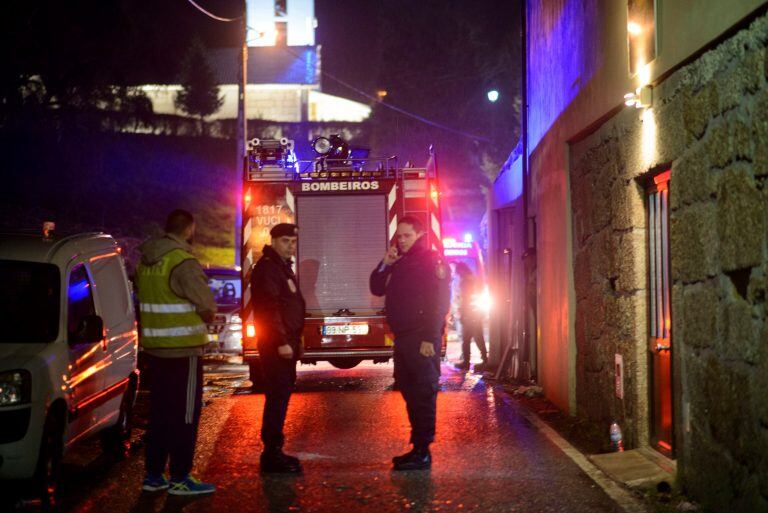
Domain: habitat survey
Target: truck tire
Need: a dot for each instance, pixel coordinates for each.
(255, 374)
(345, 363)
(116, 440)
(46, 478)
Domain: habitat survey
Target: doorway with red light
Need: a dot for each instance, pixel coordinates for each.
(660, 315)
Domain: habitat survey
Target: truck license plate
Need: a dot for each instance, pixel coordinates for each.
(346, 329)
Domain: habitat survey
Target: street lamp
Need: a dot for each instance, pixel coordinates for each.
(493, 95)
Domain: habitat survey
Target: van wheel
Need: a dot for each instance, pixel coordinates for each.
(116, 440)
(256, 375)
(46, 478)
(344, 363)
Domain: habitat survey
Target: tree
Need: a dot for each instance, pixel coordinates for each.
(199, 95)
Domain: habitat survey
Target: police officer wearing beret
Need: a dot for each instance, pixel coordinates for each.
(278, 308)
(416, 283)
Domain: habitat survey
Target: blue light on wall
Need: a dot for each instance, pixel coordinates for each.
(562, 58)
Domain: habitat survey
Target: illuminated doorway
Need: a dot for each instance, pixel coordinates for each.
(660, 314)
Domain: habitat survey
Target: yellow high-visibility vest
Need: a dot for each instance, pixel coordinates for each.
(167, 320)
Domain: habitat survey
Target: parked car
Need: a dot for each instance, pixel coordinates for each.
(67, 352)
(225, 333)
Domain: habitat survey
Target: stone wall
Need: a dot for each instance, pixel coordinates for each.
(709, 125)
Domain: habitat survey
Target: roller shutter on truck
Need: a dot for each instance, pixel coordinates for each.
(342, 239)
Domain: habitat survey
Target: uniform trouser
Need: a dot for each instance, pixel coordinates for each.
(280, 378)
(418, 378)
(469, 330)
(176, 390)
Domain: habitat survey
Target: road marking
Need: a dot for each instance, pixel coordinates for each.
(615, 491)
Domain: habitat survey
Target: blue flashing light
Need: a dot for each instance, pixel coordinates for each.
(467, 237)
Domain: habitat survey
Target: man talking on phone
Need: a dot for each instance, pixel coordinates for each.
(416, 283)
(278, 308)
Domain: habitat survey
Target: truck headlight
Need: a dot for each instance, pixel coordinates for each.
(15, 387)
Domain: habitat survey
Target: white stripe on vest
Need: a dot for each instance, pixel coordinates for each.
(179, 331)
(167, 308)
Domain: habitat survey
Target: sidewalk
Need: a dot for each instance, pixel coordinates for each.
(640, 479)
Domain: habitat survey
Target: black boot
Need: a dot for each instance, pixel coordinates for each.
(397, 459)
(273, 459)
(418, 459)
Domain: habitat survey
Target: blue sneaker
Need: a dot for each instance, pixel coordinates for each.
(190, 486)
(154, 483)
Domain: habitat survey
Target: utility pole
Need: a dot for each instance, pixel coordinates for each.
(529, 227)
(242, 137)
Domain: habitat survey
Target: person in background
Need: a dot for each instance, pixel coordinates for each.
(470, 316)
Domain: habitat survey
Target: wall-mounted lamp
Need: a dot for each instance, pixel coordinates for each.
(641, 98)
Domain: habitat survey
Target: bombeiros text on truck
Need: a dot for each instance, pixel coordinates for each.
(347, 210)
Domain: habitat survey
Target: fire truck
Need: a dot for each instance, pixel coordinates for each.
(347, 210)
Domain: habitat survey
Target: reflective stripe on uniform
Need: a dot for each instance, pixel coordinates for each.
(178, 331)
(167, 308)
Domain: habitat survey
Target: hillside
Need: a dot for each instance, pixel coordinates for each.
(123, 184)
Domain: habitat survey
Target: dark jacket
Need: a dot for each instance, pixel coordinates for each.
(418, 293)
(278, 305)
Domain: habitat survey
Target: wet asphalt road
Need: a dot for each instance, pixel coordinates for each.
(346, 426)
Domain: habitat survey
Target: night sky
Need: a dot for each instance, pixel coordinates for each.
(436, 59)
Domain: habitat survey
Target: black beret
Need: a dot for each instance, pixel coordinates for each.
(283, 230)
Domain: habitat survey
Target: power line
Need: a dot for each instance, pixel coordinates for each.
(405, 112)
(210, 14)
(395, 108)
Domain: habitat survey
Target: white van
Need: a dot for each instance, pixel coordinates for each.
(67, 351)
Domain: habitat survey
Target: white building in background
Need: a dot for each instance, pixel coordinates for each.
(283, 66)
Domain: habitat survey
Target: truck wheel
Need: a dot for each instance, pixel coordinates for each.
(46, 478)
(256, 374)
(344, 363)
(116, 440)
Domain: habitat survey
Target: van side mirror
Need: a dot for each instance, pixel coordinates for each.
(89, 331)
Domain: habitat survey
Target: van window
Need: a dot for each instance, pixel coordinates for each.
(226, 289)
(79, 299)
(29, 302)
(113, 295)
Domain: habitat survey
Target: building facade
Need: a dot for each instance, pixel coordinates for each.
(634, 252)
(283, 68)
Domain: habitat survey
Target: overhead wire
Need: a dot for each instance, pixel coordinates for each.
(362, 93)
(210, 14)
(398, 109)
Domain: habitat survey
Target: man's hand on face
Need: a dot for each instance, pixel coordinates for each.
(391, 256)
(427, 349)
(285, 351)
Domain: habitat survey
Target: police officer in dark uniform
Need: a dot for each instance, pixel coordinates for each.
(278, 308)
(416, 283)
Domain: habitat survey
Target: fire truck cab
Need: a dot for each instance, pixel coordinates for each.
(347, 211)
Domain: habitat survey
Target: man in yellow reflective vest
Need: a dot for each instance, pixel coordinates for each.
(175, 302)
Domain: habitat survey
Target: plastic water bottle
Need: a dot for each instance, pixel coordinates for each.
(617, 442)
